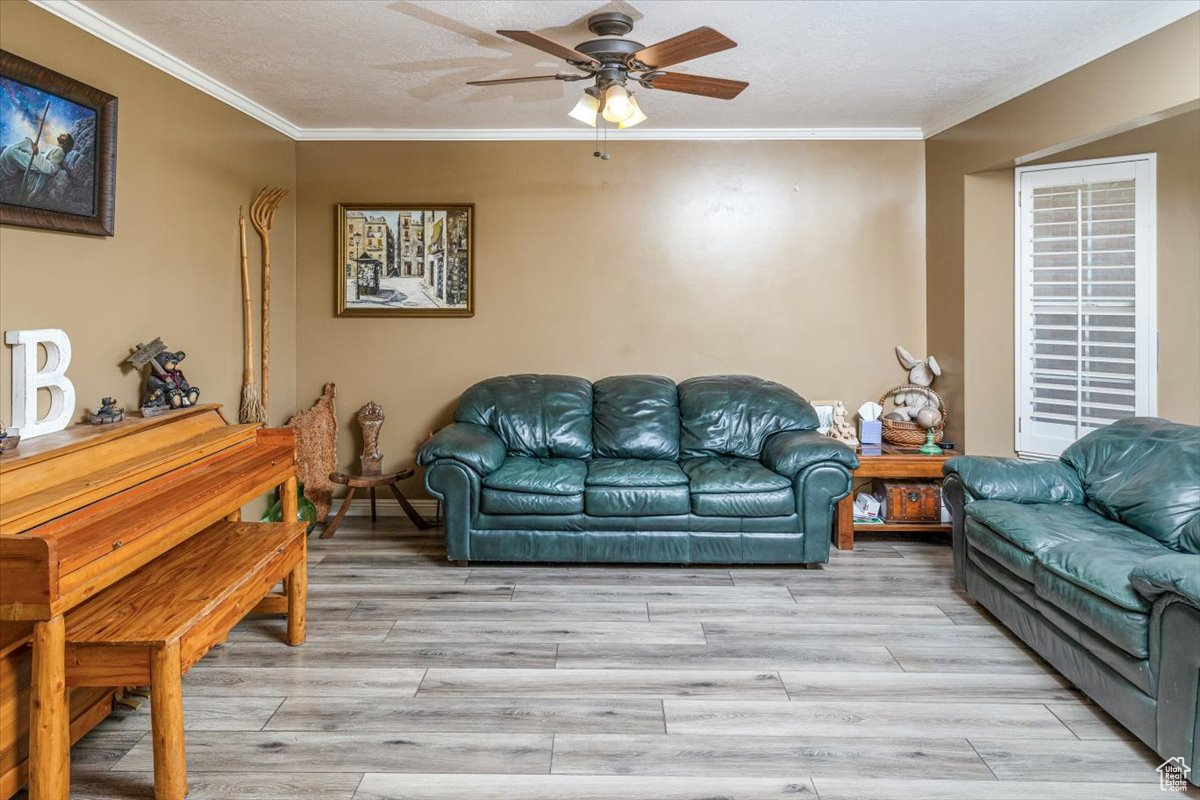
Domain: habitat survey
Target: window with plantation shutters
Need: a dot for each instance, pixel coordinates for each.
(1086, 341)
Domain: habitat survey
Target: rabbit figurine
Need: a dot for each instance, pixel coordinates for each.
(920, 373)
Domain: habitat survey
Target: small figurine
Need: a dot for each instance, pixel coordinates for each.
(8, 441)
(920, 373)
(370, 419)
(108, 412)
(841, 429)
(166, 386)
(170, 381)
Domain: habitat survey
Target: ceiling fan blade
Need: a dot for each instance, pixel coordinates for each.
(548, 46)
(499, 81)
(719, 88)
(684, 47)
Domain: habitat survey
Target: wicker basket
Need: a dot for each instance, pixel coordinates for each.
(910, 434)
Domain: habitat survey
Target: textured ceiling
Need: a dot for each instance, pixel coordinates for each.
(382, 64)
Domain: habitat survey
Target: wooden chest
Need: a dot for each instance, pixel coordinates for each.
(910, 501)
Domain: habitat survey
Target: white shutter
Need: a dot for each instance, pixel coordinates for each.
(1086, 346)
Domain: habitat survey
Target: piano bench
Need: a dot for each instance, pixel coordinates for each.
(154, 624)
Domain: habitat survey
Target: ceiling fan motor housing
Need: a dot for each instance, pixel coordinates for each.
(612, 23)
(608, 51)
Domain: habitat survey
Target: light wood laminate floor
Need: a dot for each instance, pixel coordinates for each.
(871, 679)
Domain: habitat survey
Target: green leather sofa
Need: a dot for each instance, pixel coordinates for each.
(721, 469)
(1094, 562)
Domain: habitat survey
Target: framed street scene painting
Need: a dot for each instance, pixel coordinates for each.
(405, 260)
(58, 150)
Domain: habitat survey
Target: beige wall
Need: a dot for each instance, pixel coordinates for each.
(969, 235)
(679, 258)
(988, 238)
(798, 261)
(184, 163)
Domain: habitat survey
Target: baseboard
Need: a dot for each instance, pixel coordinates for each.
(388, 507)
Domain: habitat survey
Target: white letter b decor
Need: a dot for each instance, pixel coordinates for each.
(26, 380)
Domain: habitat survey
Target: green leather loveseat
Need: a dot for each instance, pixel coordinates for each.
(1094, 562)
(721, 469)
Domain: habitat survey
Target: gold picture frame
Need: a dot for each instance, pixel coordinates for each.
(405, 260)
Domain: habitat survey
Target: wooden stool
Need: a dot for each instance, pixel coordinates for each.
(370, 419)
(371, 483)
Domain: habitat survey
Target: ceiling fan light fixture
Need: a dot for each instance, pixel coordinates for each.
(610, 62)
(585, 110)
(635, 118)
(617, 104)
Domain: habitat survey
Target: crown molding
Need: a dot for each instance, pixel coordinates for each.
(1153, 19)
(122, 38)
(81, 16)
(588, 134)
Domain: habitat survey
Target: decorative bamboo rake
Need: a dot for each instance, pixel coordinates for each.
(251, 409)
(262, 216)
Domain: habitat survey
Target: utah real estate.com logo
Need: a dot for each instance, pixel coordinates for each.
(1172, 775)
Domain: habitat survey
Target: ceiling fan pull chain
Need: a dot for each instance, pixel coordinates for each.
(601, 152)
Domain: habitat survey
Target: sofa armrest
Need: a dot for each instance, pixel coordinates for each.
(458, 487)
(467, 443)
(819, 487)
(1175, 573)
(991, 478)
(791, 452)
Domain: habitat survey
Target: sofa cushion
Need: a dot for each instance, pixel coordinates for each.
(998, 572)
(501, 501)
(1077, 561)
(777, 503)
(722, 486)
(1000, 550)
(723, 475)
(634, 472)
(636, 501)
(1128, 630)
(1102, 567)
(1144, 472)
(1089, 581)
(560, 476)
(1135, 669)
(635, 416)
(734, 414)
(1039, 526)
(542, 416)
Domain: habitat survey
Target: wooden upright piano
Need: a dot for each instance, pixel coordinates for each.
(94, 506)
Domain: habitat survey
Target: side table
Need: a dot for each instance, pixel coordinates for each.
(888, 461)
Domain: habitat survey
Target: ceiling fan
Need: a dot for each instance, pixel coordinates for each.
(611, 63)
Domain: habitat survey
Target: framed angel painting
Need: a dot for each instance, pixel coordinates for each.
(58, 150)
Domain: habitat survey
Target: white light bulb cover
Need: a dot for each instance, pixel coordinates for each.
(616, 104)
(635, 118)
(585, 110)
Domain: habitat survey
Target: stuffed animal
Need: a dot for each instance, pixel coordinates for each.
(920, 373)
(167, 385)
